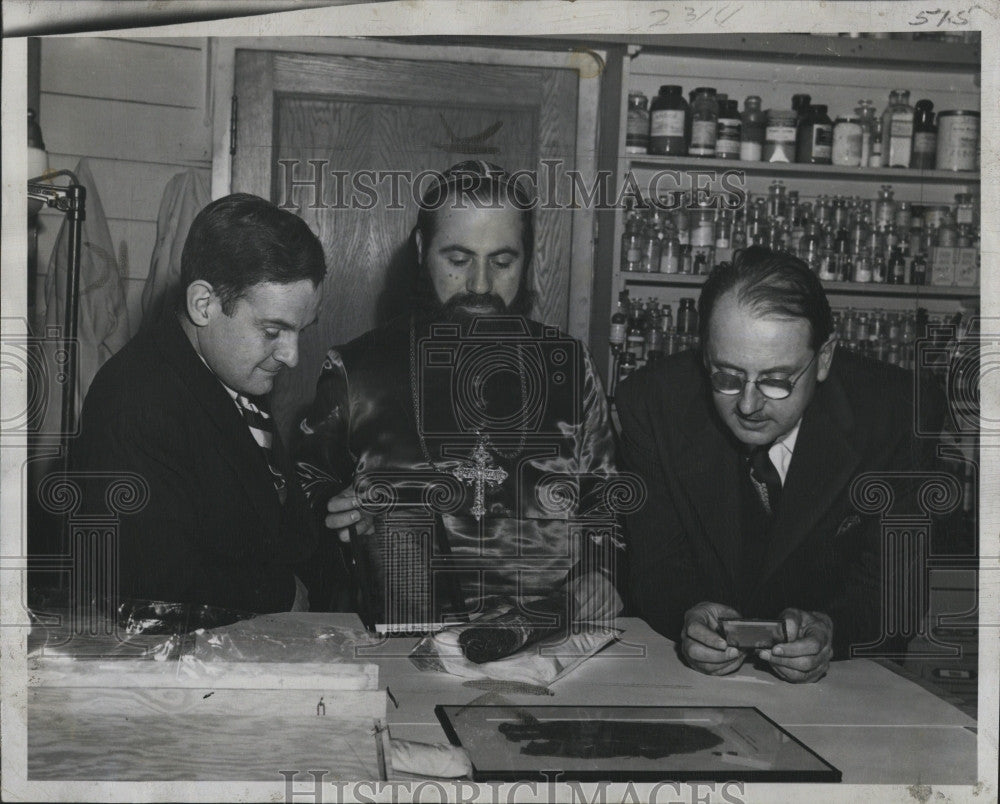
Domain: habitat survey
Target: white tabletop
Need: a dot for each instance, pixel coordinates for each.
(874, 725)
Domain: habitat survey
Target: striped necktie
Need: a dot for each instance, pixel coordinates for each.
(765, 477)
(261, 427)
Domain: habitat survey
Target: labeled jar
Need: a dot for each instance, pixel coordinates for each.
(637, 124)
(704, 122)
(779, 136)
(668, 119)
(814, 137)
(752, 134)
(847, 142)
(728, 132)
(924, 150)
(965, 209)
(958, 140)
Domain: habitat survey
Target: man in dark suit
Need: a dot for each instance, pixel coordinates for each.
(749, 449)
(182, 406)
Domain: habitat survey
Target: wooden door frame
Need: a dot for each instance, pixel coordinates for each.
(588, 63)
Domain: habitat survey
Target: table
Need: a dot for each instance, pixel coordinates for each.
(876, 726)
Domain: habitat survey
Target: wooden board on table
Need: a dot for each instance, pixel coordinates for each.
(145, 721)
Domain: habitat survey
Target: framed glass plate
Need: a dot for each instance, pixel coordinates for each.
(630, 743)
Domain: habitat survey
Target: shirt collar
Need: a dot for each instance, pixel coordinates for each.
(232, 394)
(787, 441)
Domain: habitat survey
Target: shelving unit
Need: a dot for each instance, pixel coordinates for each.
(834, 70)
(927, 292)
(782, 170)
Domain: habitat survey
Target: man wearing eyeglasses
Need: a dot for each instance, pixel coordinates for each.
(748, 450)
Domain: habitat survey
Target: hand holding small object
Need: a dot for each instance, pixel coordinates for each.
(806, 655)
(702, 647)
(344, 515)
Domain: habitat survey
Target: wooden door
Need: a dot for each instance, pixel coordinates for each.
(364, 118)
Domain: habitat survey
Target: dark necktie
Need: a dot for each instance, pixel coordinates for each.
(262, 429)
(766, 479)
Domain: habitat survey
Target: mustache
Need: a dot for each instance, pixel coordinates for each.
(490, 303)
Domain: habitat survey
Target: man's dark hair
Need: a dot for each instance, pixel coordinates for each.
(475, 184)
(772, 283)
(242, 240)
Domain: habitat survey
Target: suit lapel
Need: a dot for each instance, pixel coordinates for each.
(826, 456)
(708, 466)
(239, 448)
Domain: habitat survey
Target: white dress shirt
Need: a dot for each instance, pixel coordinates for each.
(782, 449)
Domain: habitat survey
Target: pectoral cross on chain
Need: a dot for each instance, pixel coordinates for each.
(482, 472)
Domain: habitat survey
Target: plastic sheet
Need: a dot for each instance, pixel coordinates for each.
(304, 638)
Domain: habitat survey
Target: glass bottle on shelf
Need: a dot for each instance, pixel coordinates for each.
(850, 326)
(863, 328)
(865, 110)
(704, 122)
(619, 324)
(654, 335)
(667, 320)
(897, 132)
(809, 247)
(876, 143)
(827, 257)
(635, 339)
(923, 151)
(862, 266)
(669, 115)
(776, 200)
(779, 136)
(756, 234)
(896, 267)
(842, 249)
(728, 132)
(800, 105)
(885, 208)
(752, 133)
(702, 236)
(687, 317)
(814, 137)
(631, 257)
(847, 138)
(650, 248)
(670, 249)
(637, 124)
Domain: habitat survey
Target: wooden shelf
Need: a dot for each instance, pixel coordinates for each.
(802, 171)
(640, 278)
(827, 51)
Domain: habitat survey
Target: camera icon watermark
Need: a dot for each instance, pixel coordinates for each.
(43, 367)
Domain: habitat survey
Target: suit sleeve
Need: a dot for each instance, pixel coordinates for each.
(600, 573)
(324, 463)
(662, 580)
(858, 612)
(161, 553)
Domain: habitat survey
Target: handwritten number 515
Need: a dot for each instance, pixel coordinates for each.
(944, 15)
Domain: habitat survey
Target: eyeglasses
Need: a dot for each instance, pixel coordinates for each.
(725, 382)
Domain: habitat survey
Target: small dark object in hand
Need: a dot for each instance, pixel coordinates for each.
(752, 634)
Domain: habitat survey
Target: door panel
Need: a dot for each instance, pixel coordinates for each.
(364, 114)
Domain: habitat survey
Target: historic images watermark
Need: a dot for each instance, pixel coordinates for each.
(310, 786)
(314, 184)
